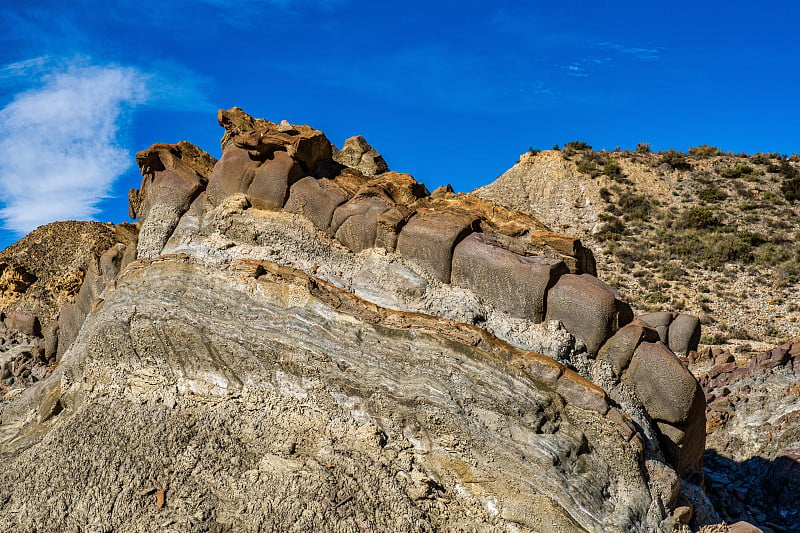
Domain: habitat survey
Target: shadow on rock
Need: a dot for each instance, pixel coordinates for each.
(760, 491)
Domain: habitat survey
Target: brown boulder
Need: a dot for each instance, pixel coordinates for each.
(428, 240)
(269, 188)
(232, 174)
(684, 334)
(24, 323)
(355, 222)
(173, 175)
(665, 387)
(512, 283)
(588, 309)
(389, 225)
(618, 350)
(315, 199)
(660, 322)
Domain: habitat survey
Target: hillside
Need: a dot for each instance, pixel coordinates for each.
(713, 234)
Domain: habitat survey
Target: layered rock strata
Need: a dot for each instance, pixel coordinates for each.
(192, 367)
(290, 274)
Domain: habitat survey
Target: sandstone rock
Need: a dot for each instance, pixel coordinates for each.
(24, 323)
(618, 350)
(356, 221)
(70, 320)
(511, 283)
(271, 181)
(744, 527)
(660, 322)
(173, 175)
(232, 174)
(316, 200)
(664, 386)
(357, 153)
(587, 308)
(262, 139)
(389, 225)
(684, 334)
(50, 333)
(428, 240)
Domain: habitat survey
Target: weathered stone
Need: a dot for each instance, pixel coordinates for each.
(428, 240)
(315, 199)
(618, 350)
(357, 153)
(511, 283)
(269, 188)
(50, 345)
(173, 175)
(744, 527)
(665, 387)
(684, 334)
(541, 369)
(582, 393)
(660, 322)
(356, 222)
(111, 261)
(389, 225)
(70, 320)
(587, 308)
(25, 323)
(232, 174)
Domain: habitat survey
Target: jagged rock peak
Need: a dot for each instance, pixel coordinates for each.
(357, 153)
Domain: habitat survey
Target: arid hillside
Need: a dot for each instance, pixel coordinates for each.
(709, 233)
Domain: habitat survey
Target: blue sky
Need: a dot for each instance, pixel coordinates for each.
(451, 92)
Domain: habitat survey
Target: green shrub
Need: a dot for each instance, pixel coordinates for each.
(697, 218)
(704, 150)
(578, 146)
(635, 206)
(711, 194)
(588, 167)
(761, 159)
(612, 169)
(605, 194)
(739, 170)
(675, 159)
(643, 148)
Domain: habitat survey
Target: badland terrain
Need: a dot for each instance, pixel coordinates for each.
(296, 338)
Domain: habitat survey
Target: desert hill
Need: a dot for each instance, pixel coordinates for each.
(709, 232)
(299, 339)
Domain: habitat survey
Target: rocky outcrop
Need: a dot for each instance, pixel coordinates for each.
(358, 154)
(439, 343)
(375, 417)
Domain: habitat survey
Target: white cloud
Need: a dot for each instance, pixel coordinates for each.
(59, 143)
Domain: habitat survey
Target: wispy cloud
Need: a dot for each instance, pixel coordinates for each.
(642, 53)
(576, 71)
(59, 143)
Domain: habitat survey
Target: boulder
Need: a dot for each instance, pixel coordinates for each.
(70, 320)
(232, 174)
(389, 225)
(511, 283)
(659, 321)
(685, 443)
(358, 154)
(173, 175)
(587, 307)
(662, 383)
(111, 262)
(355, 222)
(26, 323)
(618, 350)
(429, 237)
(316, 200)
(684, 334)
(269, 188)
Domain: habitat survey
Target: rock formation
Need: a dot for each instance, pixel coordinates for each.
(302, 323)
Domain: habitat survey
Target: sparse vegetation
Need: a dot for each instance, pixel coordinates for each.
(704, 151)
(739, 170)
(711, 194)
(675, 159)
(643, 148)
(697, 218)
